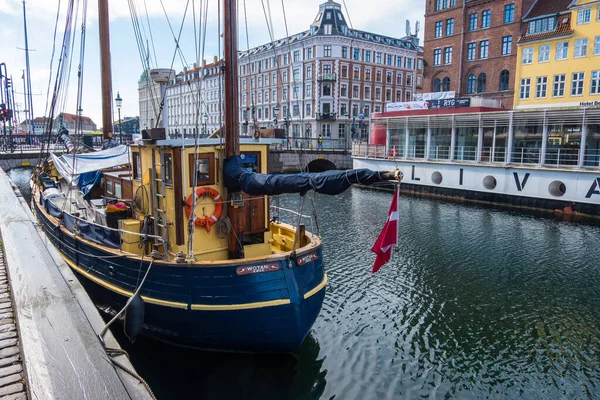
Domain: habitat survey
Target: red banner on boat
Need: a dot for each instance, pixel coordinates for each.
(257, 269)
(388, 236)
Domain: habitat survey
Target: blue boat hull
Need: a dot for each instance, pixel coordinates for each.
(209, 307)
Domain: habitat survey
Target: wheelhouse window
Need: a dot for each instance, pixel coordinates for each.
(137, 165)
(204, 168)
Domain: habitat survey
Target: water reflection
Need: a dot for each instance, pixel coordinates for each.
(185, 373)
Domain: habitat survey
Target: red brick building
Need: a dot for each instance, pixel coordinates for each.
(470, 47)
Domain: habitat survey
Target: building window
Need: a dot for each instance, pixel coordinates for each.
(450, 27)
(438, 29)
(344, 90)
(525, 88)
(377, 93)
(344, 71)
(398, 95)
(597, 42)
(388, 94)
(389, 60)
(595, 84)
(355, 92)
(448, 55)
(446, 84)
(378, 58)
(437, 57)
(399, 61)
(583, 16)
(308, 90)
(506, 45)
(327, 29)
(367, 93)
(344, 52)
(308, 110)
(368, 74)
(481, 83)
(437, 85)
(308, 72)
(409, 63)
(541, 87)
(544, 53)
(504, 80)
(442, 4)
(378, 75)
(297, 56)
(580, 48)
(356, 54)
(327, 51)
(367, 55)
(577, 83)
(558, 89)
(408, 80)
(389, 77)
(527, 55)
(399, 78)
(309, 52)
(342, 131)
(484, 47)
(486, 17)
(471, 84)
(356, 73)
(471, 51)
(562, 50)
(509, 13)
(542, 25)
(473, 22)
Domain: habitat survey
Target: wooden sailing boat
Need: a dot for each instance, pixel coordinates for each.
(199, 246)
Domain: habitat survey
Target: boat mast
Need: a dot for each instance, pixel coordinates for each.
(105, 68)
(230, 69)
(28, 95)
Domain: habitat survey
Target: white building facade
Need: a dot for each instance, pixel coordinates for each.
(149, 101)
(327, 80)
(190, 114)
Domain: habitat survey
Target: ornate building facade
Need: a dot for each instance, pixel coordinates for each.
(326, 80)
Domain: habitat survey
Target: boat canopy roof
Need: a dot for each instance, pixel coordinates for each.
(70, 167)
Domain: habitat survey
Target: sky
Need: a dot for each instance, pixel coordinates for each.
(386, 17)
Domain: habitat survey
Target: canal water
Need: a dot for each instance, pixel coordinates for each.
(477, 302)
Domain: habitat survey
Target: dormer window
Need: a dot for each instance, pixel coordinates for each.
(327, 29)
(328, 15)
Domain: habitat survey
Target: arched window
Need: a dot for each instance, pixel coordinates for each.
(504, 79)
(446, 84)
(436, 85)
(481, 83)
(472, 84)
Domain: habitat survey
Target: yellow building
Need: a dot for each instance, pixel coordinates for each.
(558, 63)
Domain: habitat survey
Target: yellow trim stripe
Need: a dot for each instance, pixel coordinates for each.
(245, 306)
(172, 304)
(317, 288)
(120, 291)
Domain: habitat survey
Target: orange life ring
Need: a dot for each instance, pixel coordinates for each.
(206, 222)
(392, 154)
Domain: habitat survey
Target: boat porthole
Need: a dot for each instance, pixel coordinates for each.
(557, 189)
(489, 182)
(437, 177)
(111, 271)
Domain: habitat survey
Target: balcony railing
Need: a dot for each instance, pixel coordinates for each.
(328, 77)
(326, 116)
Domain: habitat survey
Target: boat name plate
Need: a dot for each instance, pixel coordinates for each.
(258, 269)
(307, 259)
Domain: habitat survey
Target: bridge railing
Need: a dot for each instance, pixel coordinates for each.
(313, 144)
(28, 143)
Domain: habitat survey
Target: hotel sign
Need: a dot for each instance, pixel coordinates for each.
(589, 104)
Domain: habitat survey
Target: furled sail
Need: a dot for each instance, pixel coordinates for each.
(330, 182)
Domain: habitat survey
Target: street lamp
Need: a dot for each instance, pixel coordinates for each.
(119, 102)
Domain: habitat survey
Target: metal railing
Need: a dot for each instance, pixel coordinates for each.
(313, 144)
(327, 77)
(326, 116)
(554, 157)
(20, 144)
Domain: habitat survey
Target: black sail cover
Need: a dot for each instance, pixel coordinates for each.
(238, 178)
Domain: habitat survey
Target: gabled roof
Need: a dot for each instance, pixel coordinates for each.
(71, 119)
(547, 7)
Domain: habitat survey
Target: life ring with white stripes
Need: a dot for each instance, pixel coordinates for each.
(206, 222)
